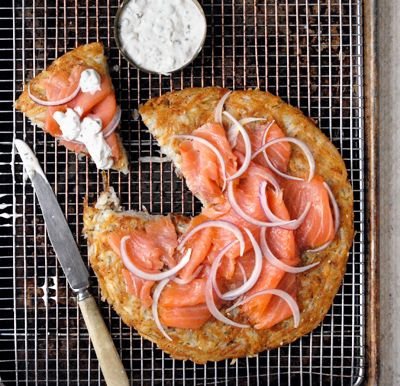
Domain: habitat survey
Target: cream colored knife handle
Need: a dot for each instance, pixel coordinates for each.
(107, 355)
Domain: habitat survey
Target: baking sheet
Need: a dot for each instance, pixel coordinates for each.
(308, 52)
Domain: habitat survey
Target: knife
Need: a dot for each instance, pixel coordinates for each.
(75, 270)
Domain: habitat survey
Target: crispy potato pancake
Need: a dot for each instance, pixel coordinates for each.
(90, 55)
(181, 112)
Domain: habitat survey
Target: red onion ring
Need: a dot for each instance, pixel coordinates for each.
(335, 207)
(213, 308)
(151, 276)
(266, 131)
(286, 224)
(154, 307)
(321, 248)
(277, 292)
(219, 107)
(110, 128)
(233, 131)
(216, 313)
(242, 271)
(212, 148)
(247, 144)
(297, 142)
(240, 212)
(272, 259)
(58, 102)
(255, 274)
(215, 266)
(180, 281)
(218, 224)
(271, 179)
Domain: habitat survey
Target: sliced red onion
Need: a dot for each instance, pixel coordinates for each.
(215, 265)
(286, 224)
(180, 281)
(58, 102)
(321, 248)
(240, 212)
(107, 131)
(151, 276)
(219, 107)
(272, 180)
(297, 142)
(212, 148)
(335, 207)
(242, 271)
(218, 224)
(233, 131)
(216, 313)
(241, 297)
(154, 308)
(266, 131)
(277, 292)
(271, 258)
(247, 145)
(214, 310)
(255, 274)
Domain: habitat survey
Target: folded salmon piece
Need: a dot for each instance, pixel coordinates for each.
(150, 249)
(318, 227)
(200, 166)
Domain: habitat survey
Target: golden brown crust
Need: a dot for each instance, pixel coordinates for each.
(90, 55)
(183, 112)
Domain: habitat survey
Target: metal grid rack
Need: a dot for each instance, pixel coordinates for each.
(307, 51)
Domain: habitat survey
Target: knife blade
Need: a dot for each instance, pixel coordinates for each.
(57, 227)
(75, 270)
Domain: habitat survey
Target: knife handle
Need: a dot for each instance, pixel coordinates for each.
(107, 355)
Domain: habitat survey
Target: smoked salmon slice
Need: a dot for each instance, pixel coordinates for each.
(247, 195)
(144, 252)
(318, 227)
(139, 287)
(191, 294)
(282, 243)
(106, 109)
(279, 153)
(256, 308)
(192, 317)
(150, 249)
(87, 101)
(164, 234)
(200, 244)
(200, 166)
(277, 309)
(58, 86)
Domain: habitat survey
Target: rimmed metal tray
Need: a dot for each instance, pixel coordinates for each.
(316, 54)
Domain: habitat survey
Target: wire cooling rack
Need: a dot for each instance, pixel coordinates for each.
(307, 51)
